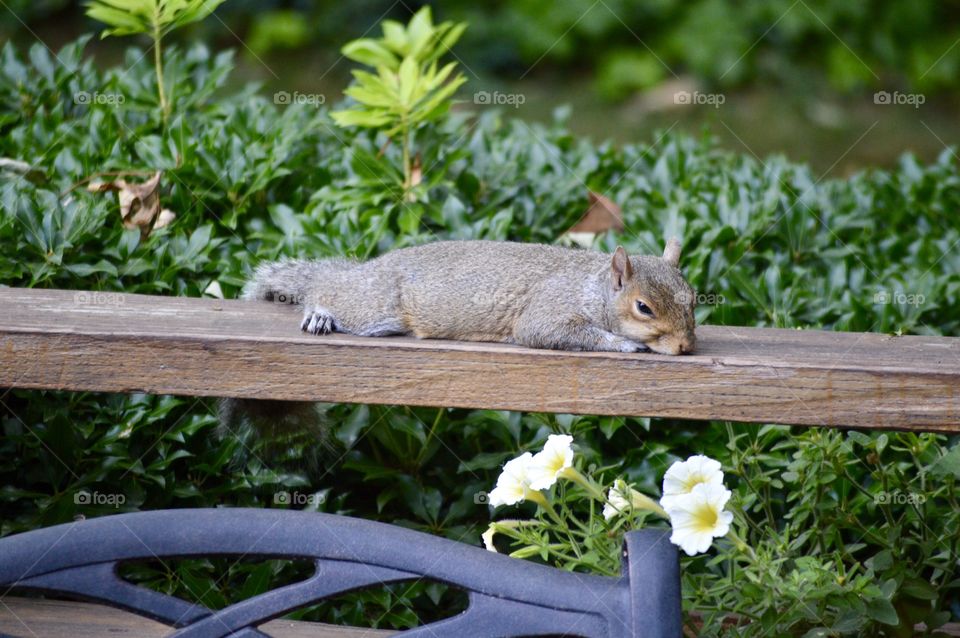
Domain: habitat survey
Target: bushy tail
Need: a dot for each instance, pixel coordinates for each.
(291, 280)
(287, 281)
(278, 431)
(238, 417)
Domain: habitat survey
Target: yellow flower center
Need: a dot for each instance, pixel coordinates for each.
(705, 518)
(693, 480)
(555, 464)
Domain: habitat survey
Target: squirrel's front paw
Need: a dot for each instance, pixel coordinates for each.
(317, 321)
(633, 346)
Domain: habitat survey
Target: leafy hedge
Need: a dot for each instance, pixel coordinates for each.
(250, 181)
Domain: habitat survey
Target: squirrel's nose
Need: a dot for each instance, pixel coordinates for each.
(687, 345)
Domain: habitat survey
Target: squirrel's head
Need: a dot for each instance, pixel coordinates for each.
(652, 302)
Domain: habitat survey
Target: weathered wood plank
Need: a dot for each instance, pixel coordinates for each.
(36, 618)
(111, 342)
(59, 619)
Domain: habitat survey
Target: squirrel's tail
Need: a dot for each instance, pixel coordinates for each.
(267, 421)
(286, 281)
(278, 430)
(291, 280)
(242, 417)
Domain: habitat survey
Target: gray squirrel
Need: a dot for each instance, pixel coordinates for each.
(533, 295)
(528, 294)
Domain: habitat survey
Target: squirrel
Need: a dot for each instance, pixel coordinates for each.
(529, 294)
(533, 295)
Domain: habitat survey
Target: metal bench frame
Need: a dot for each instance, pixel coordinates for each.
(507, 597)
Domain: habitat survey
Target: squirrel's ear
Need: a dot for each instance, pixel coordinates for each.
(671, 254)
(620, 269)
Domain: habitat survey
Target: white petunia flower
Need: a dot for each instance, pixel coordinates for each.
(513, 485)
(699, 517)
(547, 465)
(617, 502)
(682, 477)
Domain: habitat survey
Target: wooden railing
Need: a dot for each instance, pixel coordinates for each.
(66, 340)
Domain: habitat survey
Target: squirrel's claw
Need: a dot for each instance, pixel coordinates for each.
(317, 321)
(633, 346)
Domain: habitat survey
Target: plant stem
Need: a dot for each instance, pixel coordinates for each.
(594, 490)
(407, 167)
(641, 501)
(541, 500)
(741, 544)
(426, 442)
(509, 527)
(158, 66)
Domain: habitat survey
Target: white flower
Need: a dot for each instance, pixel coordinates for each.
(557, 455)
(699, 517)
(682, 477)
(617, 502)
(513, 485)
(487, 537)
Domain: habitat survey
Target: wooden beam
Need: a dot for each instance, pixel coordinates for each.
(113, 342)
(60, 619)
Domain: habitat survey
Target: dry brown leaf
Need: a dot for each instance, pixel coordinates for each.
(165, 218)
(31, 173)
(139, 203)
(415, 177)
(416, 172)
(602, 215)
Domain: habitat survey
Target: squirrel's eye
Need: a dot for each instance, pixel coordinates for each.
(644, 309)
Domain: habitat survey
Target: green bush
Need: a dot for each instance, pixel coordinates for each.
(251, 181)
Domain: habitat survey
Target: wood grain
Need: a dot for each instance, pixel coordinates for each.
(111, 342)
(36, 618)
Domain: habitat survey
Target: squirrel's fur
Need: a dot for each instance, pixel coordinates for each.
(530, 294)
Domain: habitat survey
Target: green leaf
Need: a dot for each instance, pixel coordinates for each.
(370, 119)
(882, 610)
(194, 11)
(395, 37)
(409, 76)
(123, 22)
(409, 220)
(371, 53)
(920, 589)
(948, 464)
(882, 561)
(447, 41)
(419, 31)
(127, 17)
(438, 103)
(371, 96)
(85, 270)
